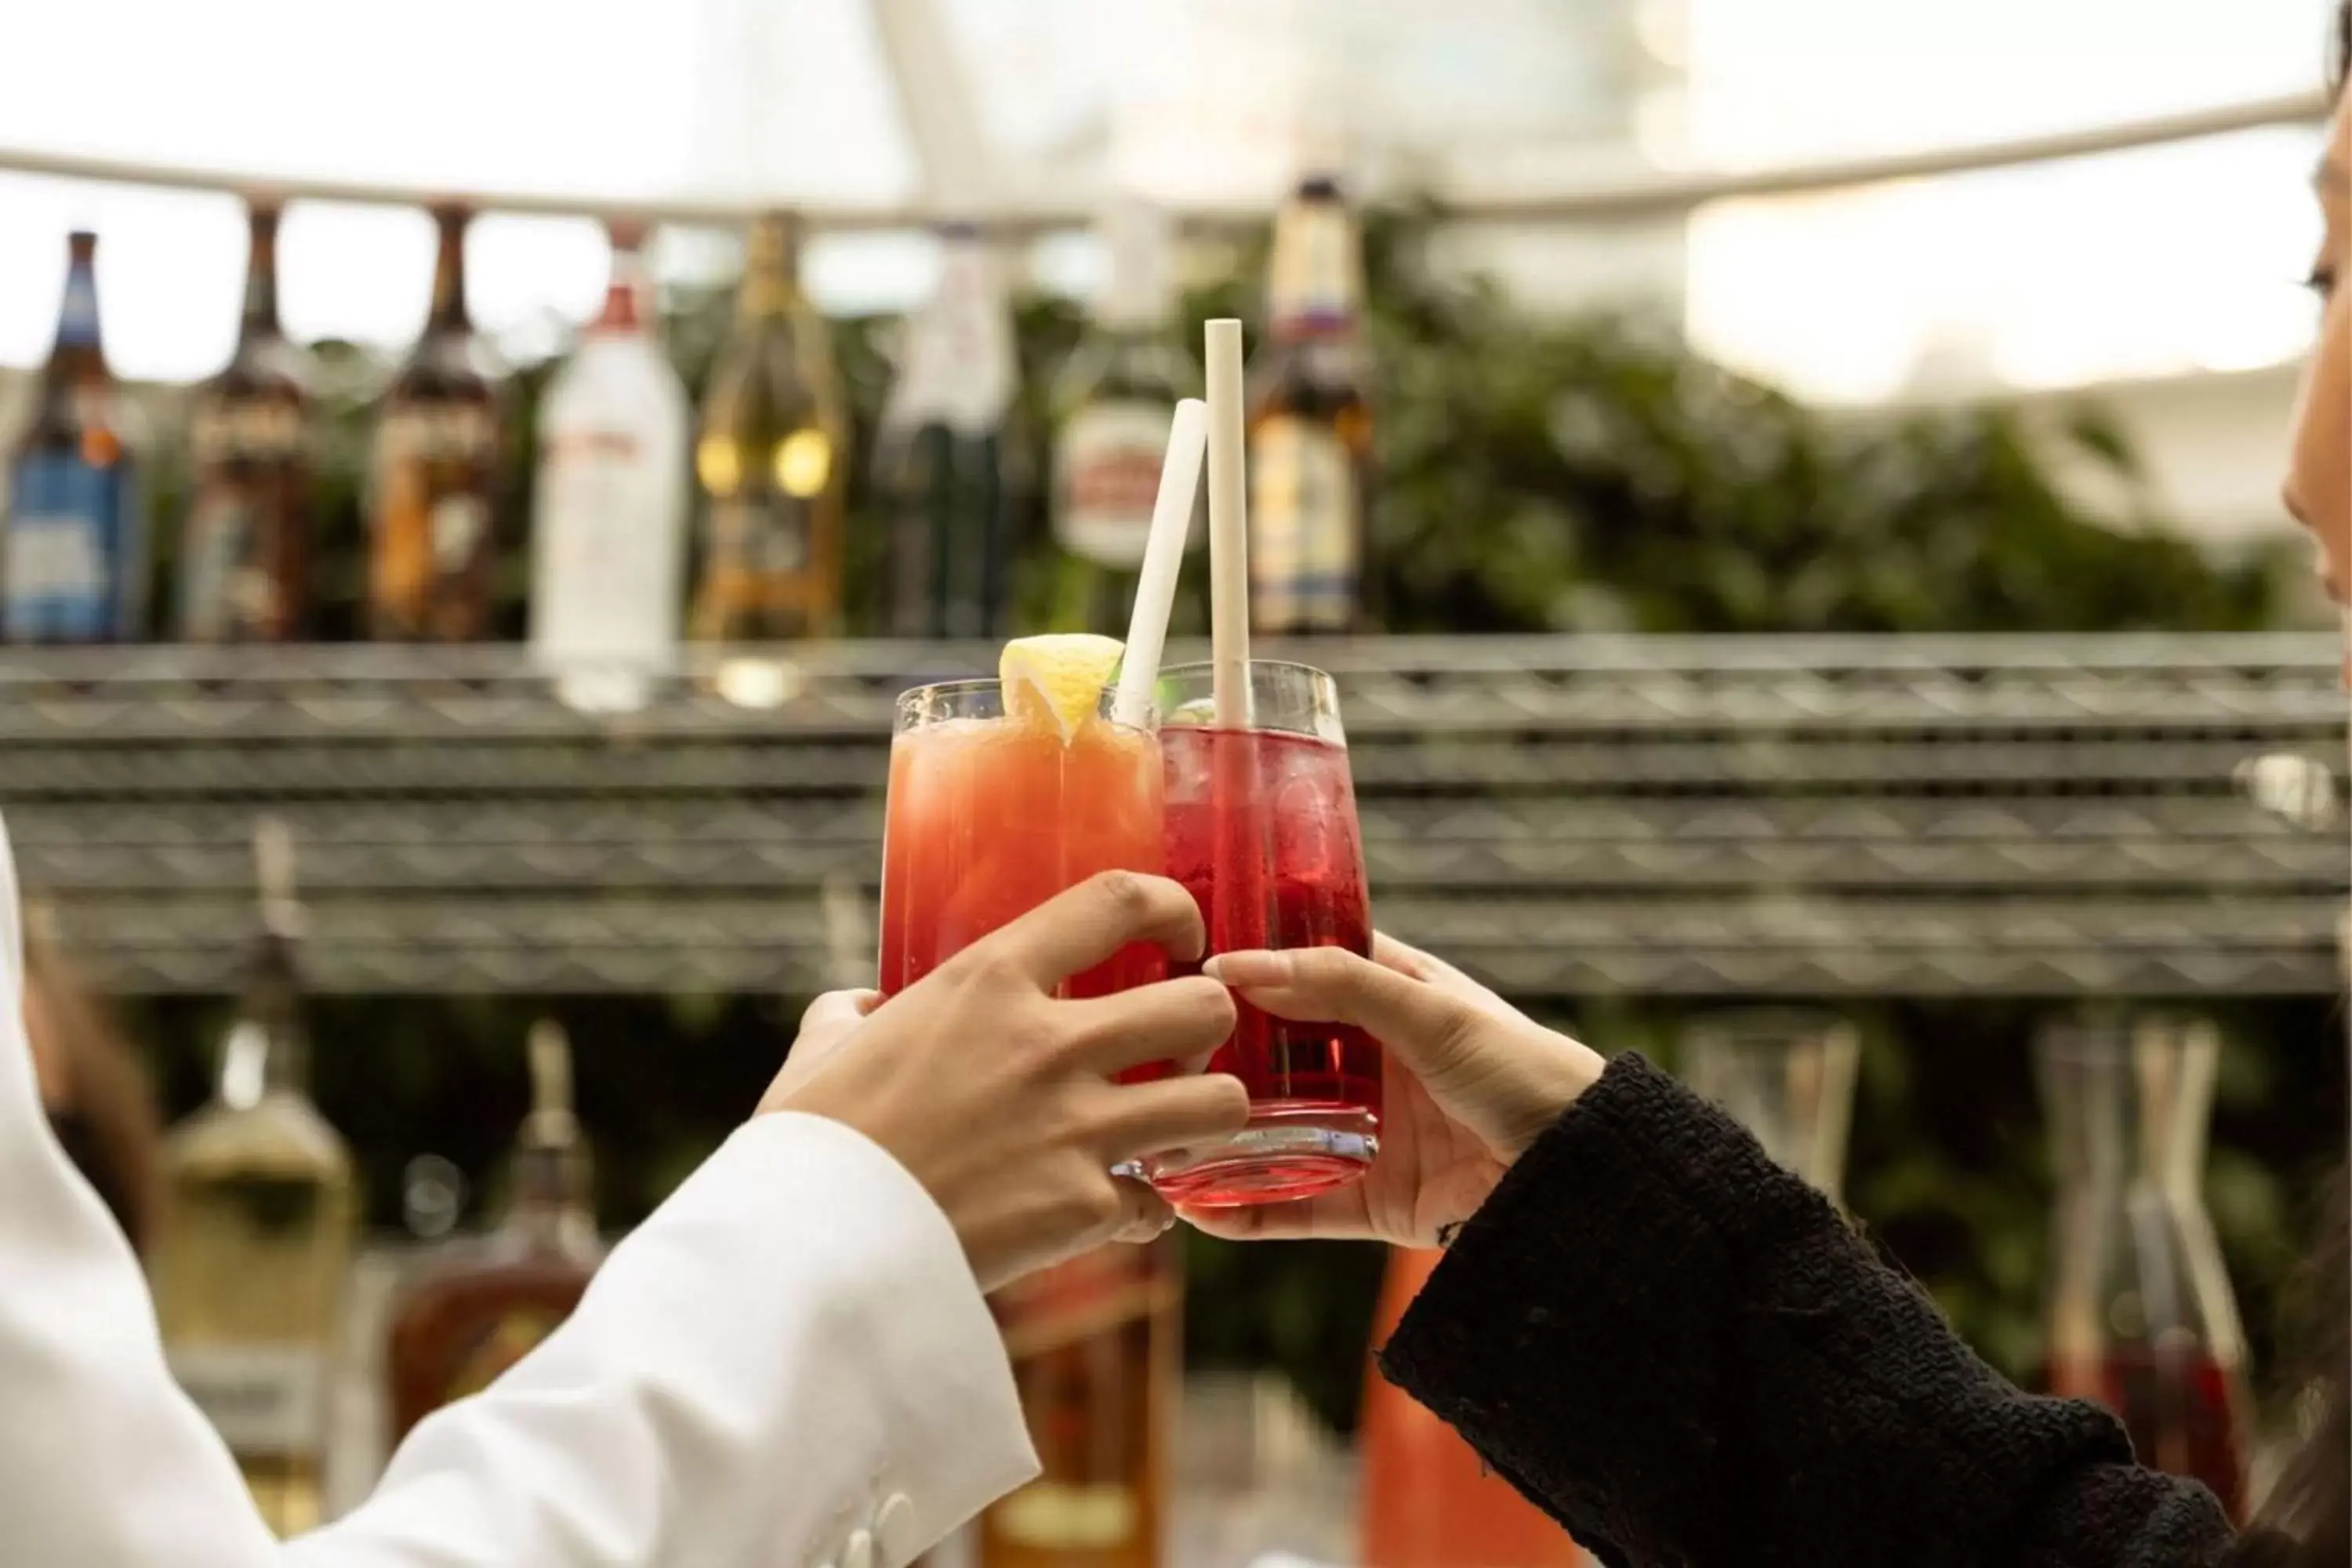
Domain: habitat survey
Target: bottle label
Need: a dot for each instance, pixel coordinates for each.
(453, 432)
(68, 549)
(1314, 281)
(1302, 534)
(500, 1343)
(962, 367)
(226, 588)
(1106, 478)
(246, 430)
(1063, 1515)
(430, 553)
(759, 537)
(265, 1400)
(604, 584)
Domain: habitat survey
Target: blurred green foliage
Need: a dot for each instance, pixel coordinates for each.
(1534, 474)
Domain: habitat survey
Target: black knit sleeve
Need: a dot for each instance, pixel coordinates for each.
(1684, 1354)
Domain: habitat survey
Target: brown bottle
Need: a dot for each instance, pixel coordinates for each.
(1095, 1344)
(1311, 424)
(480, 1305)
(432, 536)
(245, 553)
(768, 459)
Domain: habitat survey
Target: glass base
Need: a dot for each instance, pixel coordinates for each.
(1286, 1153)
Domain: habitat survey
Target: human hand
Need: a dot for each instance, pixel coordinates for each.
(998, 1097)
(1469, 1082)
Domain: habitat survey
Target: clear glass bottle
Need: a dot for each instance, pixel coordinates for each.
(245, 552)
(948, 462)
(478, 1306)
(1310, 424)
(1787, 1075)
(768, 459)
(259, 1215)
(609, 545)
(1112, 406)
(433, 483)
(74, 565)
(2140, 1315)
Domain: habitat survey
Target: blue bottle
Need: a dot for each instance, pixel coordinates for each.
(72, 555)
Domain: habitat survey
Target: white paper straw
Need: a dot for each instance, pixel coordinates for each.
(1228, 529)
(1163, 558)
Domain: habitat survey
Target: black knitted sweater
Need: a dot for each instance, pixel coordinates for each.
(1684, 1354)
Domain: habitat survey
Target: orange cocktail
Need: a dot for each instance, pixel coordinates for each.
(997, 805)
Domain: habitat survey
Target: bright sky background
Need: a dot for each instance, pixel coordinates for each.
(2147, 263)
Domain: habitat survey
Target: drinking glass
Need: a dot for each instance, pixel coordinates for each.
(990, 815)
(1261, 831)
(1787, 1075)
(2139, 1315)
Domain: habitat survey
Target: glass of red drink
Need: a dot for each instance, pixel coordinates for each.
(993, 811)
(1261, 829)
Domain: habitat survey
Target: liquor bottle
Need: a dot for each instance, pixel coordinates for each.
(1310, 427)
(609, 552)
(244, 554)
(1094, 1345)
(768, 460)
(480, 1305)
(434, 473)
(259, 1211)
(74, 563)
(1112, 403)
(949, 468)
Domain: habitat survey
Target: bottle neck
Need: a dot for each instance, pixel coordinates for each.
(552, 1204)
(77, 332)
(1316, 287)
(770, 288)
(266, 1051)
(259, 323)
(449, 281)
(1136, 298)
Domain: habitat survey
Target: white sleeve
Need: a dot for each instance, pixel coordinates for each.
(790, 1363)
(104, 1462)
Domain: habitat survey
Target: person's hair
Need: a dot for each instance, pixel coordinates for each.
(104, 1108)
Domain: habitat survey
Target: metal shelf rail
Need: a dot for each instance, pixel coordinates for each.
(1901, 816)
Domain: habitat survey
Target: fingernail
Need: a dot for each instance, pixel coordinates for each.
(1259, 968)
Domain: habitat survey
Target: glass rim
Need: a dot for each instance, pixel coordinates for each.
(1167, 672)
(1767, 1025)
(2120, 1037)
(909, 703)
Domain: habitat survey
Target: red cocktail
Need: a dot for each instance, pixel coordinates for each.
(1262, 832)
(992, 811)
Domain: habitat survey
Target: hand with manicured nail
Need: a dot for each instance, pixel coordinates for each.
(1469, 1082)
(999, 1097)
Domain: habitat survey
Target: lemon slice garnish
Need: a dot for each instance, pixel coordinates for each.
(1058, 679)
